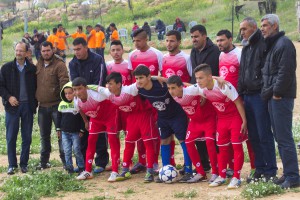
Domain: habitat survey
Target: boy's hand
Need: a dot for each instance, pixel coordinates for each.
(86, 125)
(221, 81)
(244, 128)
(58, 134)
(81, 134)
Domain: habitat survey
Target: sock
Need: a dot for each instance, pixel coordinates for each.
(187, 161)
(212, 153)
(238, 159)
(141, 152)
(165, 154)
(157, 149)
(223, 160)
(114, 143)
(230, 157)
(150, 152)
(128, 153)
(251, 154)
(90, 151)
(172, 159)
(195, 157)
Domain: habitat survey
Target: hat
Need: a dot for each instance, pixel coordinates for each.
(35, 31)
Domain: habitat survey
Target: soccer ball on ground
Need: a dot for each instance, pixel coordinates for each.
(168, 174)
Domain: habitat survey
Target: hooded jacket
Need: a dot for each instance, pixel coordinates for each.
(182, 25)
(68, 118)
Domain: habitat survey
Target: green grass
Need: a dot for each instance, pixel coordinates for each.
(261, 189)
(40, 184)
(187, 194)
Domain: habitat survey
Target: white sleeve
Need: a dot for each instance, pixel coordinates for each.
(238, 54)
(132, 89)
(160, 56)
(76, 104)
(101, 95)
(201, 91)
(230, 91)
(192, 90)
(129, 61)
(189, 65)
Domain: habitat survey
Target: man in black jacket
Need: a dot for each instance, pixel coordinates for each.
(91, 67)
(17, 89)
(249, 87)
(279, 77)
(203, 51)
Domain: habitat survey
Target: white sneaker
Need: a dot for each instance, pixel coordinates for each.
(217, 182)
(113, 177)
(196, 178)
(213, 178)
(234, 183)
(84, 175)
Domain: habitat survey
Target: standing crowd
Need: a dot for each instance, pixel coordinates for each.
(211, 101)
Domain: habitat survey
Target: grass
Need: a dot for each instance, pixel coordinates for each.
(40, 184)
(191, 193)
(260, 189)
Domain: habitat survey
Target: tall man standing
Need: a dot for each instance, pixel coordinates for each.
(17, 89)
(249, 87)
(52, 75)
(279, 77)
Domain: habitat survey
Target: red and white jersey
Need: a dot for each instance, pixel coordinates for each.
(122, 68)
(152, 58)
(191, 104)
(229, 65)
(179, 64)
(129, 100)
(97, 105)
(222, 99)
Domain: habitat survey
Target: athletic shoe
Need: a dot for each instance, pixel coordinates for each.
(234, 183)
(155, 169)
(213, 178)
(138, 167)
(11, 170)
(98, 169)
(148, 178)
(43, 166)
(185, 178)
(123, 176)
(254, 178)
(217, 182)
(24, 170)
(196, 178)
(112, 177)
(229, 173)
(84, 175)
(288, 184)
(157, 180)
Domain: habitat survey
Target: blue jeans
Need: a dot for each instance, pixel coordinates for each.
(45, 117)
(281, 113)
(12, 121)
(260, 134)
(69, 140)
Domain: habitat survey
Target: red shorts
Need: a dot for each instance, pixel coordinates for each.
(109, 125)
(141, 125)
(229, 131)
(201, 131)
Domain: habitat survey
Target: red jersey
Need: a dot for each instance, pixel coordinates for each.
(222, 99)
(190, 102)
(229, 65)
(122, 68)
(152, 58)
(179, 64)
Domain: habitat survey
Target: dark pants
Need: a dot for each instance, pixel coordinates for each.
(102, 156)
(45, 117)
(281, 114)
(37, 53)
(100, 51)
(149, 35)
(260, 134)
(12, 121)
(160, 35)
(202, 150)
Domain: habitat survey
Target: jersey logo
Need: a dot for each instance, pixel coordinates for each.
(169, 72)
(223, 72)
(152, 68)
(132, 104)
(160, 106)
(125, 108)
(167, 101)
(219, 106)
(93, 114)
(232, 69)
(190, 110)
(194, 102)
(179, 73)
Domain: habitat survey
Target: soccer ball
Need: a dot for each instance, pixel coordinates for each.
(167, 174)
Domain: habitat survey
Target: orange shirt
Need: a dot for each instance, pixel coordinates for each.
(114, 35)
(61, 40)
(92, 40)
(100, 39)
(53, 39)
(77, 35)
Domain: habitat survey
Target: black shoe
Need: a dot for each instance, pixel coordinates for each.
(157, 180)
(185, 178)
(43, 166)
(254, 178)
(24, 170)
(11, 171)
(138, 167)
(279, 181)
(288, 184)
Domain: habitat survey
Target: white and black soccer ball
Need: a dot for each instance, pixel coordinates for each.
(168, 174)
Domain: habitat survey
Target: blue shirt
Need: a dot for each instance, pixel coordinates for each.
(20, 68)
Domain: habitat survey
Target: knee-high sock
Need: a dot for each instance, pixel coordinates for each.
(230, 157)
(90, 151)
(157, 149)
(128, 154)
(223, 160)
(172, 159)
(150, 152)
(251, 154)
(238, 153)
(195, 157)
(212, 153)
(165, 154)
(141, 152)
(114, 143)
(187, 161)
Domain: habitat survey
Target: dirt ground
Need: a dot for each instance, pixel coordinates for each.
(99, 187)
